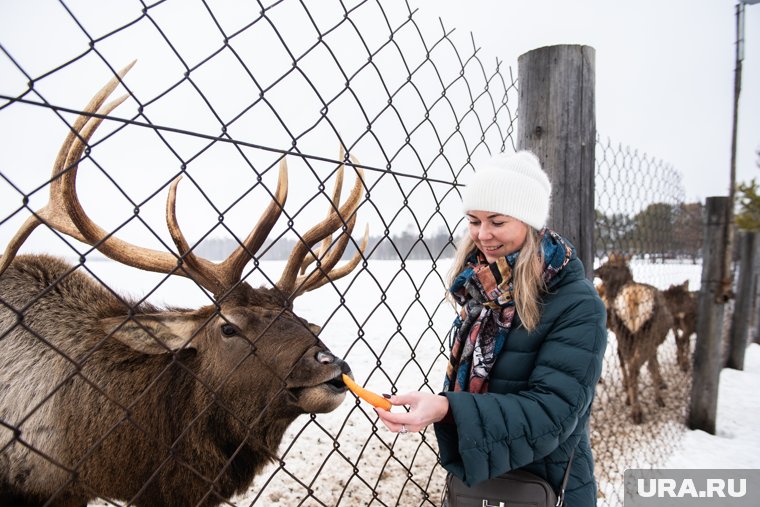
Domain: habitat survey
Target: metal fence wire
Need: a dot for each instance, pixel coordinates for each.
(641, 214)
(221, 93)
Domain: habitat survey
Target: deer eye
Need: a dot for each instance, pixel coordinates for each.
(228, 330)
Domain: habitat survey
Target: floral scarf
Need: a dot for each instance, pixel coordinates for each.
(485, 292)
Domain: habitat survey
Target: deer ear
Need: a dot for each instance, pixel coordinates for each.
(159, 333)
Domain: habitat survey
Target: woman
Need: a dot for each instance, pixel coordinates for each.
(527, 347)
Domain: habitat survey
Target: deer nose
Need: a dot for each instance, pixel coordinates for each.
(325, 357)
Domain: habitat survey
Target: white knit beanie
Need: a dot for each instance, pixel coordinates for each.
(513, 185)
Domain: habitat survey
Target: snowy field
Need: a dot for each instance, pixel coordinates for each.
(736, 442)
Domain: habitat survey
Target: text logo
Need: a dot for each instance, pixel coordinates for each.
(679, 487)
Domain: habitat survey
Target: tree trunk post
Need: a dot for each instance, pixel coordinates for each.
(708, 359)
(557, 122)
(754, 317)
(744, 301)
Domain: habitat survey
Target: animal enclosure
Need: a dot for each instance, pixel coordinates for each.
(220, 94)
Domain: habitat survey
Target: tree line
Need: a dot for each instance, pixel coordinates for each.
(405, 246)
(660, 231)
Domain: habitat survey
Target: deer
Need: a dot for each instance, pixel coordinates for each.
(105, 397)
(682, 303)
(640, 319)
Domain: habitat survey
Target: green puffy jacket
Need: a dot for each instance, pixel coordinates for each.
(539, 400)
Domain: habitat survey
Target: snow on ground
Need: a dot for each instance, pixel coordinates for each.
(736, 443)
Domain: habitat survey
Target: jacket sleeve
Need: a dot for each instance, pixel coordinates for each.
(494, 433)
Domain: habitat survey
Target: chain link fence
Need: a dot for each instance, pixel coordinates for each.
(642, 215)
(220, 93)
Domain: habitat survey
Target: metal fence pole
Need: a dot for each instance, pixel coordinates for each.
(740, 320)
(557, 121)
(707, 354)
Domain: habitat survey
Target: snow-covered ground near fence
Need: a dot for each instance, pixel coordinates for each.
(664, 274)
(736, 443)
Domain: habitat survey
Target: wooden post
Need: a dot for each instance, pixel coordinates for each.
(557, 122)
(740, 320)
(708, 359)
(754, 316)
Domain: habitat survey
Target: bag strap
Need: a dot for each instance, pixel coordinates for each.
(561, 495)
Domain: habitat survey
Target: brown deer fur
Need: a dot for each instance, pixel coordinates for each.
(682, 303)
(105, 397)
(122, 419)
(640, 319)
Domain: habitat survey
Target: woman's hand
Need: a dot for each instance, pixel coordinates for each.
(424, 409)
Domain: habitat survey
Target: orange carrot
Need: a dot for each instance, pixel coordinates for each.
(368, 396)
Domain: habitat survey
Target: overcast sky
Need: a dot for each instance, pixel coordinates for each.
(664, 87)
(664, 72)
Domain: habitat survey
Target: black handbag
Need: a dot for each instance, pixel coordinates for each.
(515, 488)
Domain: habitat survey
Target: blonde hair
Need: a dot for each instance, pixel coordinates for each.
(528, 280)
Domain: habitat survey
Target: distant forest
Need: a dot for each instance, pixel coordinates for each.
(660, 231)
(404, 246)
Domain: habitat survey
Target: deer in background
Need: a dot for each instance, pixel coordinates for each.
(682, 303)
(640, 319)
(105, 397)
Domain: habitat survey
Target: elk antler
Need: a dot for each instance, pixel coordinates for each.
(334, 203)
(64, 213)
(329, 253)
(54, 212)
